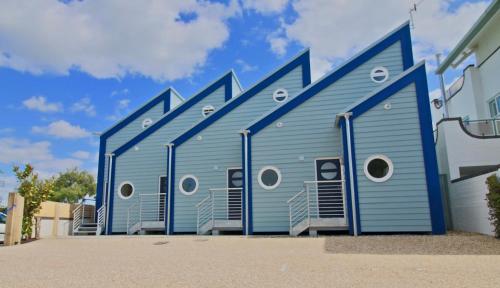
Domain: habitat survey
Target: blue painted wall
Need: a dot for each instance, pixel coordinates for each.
(146, 160)
(308, 133)
(220, 144)
(401, 203)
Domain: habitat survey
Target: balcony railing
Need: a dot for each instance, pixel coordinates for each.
(455, 87)
(486, 127)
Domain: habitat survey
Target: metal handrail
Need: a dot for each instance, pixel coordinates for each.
(150, 207)
(318, 199)
(101, 213)
(220, 204)
(77, 217)
(483, 127)
(132, 209)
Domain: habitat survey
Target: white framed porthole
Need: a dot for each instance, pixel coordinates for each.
(378, 168)
(126, 190)
(379, 74)
(146, 123)
(188, 185)
(207, 110)
(269, 177)
(280, 95)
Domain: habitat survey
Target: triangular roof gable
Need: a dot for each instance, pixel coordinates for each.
(225, 81)
(164, 96)
(416, 75)
(401, 34)
(366, 103)
(300, 60)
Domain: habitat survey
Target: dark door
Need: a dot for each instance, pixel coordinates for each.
(234, 185)
(162, 198)
(329, 188)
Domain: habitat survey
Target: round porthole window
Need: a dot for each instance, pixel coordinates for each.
(237, 179)
(329, 171)
(188, 185)
(378, 168)
(126, 190)
(146, 123)
(280, 95)
(269, 177)
(207, 110)
(379, 74)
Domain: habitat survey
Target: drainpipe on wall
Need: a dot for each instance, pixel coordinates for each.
(245, 143)
(441, 85)
(169, 185)
(351, 173)
(108, 188)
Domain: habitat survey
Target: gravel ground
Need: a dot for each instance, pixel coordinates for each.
(233, 261)
(454, 243)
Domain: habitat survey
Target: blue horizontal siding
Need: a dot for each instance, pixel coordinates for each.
(408, 182)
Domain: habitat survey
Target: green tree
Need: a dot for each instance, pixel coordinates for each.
(493, 198)
(73, 185)
(34, 191)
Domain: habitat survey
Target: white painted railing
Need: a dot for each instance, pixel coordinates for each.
(150, 208)
(101, 220)
(77, 217)
(318, 200)
(222, 204)
(205, 213)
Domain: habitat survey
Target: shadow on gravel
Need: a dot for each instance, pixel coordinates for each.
(453, 243)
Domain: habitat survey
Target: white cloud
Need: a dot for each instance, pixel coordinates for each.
(62, 129)
(84, 105)
(21, 151)
(81, 154)
(40, 103)
(164, 40)
(336, 29)
(121, 109)
(265, 6)
(124, 91)
(245, 67)
(6, 130)
(278, 45)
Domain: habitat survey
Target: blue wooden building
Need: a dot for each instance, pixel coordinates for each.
(352, 151)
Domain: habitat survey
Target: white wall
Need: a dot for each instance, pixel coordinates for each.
(469, 209)
(462, 149)
(464, 103)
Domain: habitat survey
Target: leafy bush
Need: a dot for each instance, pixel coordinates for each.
(493, 198)
(34, 191)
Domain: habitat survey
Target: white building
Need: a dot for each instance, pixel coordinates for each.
(468, 134)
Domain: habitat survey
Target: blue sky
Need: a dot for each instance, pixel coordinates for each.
(78, 66)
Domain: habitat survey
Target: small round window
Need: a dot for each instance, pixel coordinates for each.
(378, 168)
(280, 95)
(237, 179)
(126, 190)
(329, 171)
(379, 74)
(207, 110)
(188, 185)
(269, 177)
(146, 123)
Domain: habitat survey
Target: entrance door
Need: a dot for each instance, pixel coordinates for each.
(234, 185)
(162, 197)
(329, 188)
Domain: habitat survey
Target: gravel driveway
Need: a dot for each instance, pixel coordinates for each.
(233, 261)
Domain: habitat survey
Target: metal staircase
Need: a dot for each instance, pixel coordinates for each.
(84, 220)
(319, 206)
(221, 210)
(148, 214)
